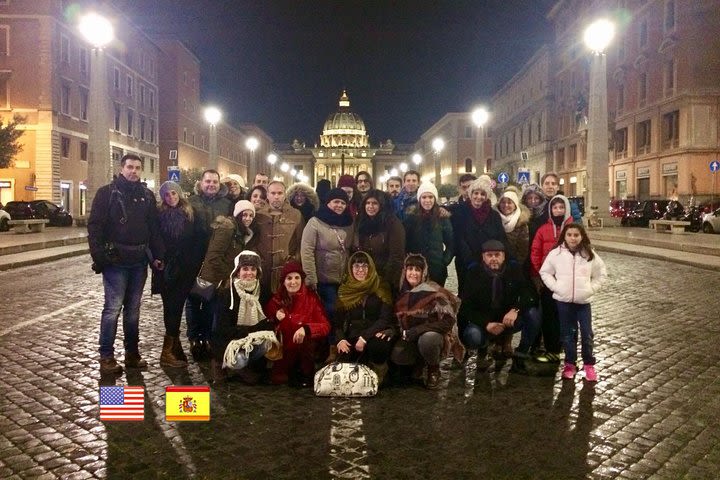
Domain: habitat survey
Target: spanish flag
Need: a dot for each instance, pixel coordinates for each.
(187, 404)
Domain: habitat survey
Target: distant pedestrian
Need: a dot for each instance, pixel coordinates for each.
(122, 228)
(574, 273)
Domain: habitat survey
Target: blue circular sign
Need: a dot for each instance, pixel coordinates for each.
(503, 177)
(714, 166)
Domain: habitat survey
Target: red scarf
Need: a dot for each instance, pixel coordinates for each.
(481, 214)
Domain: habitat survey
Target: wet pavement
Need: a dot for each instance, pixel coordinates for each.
(652, 415)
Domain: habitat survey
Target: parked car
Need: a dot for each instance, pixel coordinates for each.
(708, 207)
(619, 208)
(56, 214)
(4, 219)
(643, 213)
(711, 222)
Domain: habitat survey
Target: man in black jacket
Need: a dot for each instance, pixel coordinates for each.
(124, 236)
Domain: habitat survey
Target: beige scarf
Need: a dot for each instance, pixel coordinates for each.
(250, 311)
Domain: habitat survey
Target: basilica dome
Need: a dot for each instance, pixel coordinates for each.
(344, 129)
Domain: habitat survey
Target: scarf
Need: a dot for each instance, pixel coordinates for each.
(481, 214)
(352, 292)
(426, 298)
(510, 221)
(172, 223)
(333, 219)
(250, 311)
(558, 220)
(498, 286)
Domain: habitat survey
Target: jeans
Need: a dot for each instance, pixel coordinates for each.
(123, 286)
(200, 317)
(428, 348)
(571, 316)
(328, 293)
(550, 322)
(528, 323)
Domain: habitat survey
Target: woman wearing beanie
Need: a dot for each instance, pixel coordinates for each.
(236, 188)
(302, 328)
(379, 233)
(349, 186)
(302, 197)
(174, 282)
(427, 315)
(428, 231)
(324, 248)
(515, 219)
(534, 199)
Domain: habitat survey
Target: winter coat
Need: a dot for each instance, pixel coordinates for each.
(404, 202)
(477, 296)
(386, 246)
(125, 214)
(226, 243)
(364, 320)
(546, 238)
(433, 240)
(519, 238)
(571, 277)
(177, 273)
(279, 235)
(306, 311)
(324, 251)
(206, 210)
(312, 202)
(227, 325)
(472, 235)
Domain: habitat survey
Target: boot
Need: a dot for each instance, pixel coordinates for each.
(178, 350)
(433, 377)
(332, 356)
(217, 374)
(109, 366)
(196, 349)
(168, 357)
(134, 360)
(380, 370)
(507, 348)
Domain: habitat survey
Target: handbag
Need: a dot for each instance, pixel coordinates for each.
(346, 380)
(202, 288)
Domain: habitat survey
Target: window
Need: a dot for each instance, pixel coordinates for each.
(116, 79)
(152, 100)
(142, 127)
(561, 158)
(130, 115)
(539, 129)
(84, 62)
(64, 50)
(621, 49)
(671, 129)
(129, 89)
(152, 131)
(83, 151)
(83, 104)
(572, 152)
(151, 164)
(669, 77)
(4, 40)
(117, 110)
(184, 78)
(65, 146)
(185, 135)
(621, 140)
(3, 93)
(643, 33)
(193, 141)
(669, 15)
(468, 165)
(621, 99)
(468, 131)
(65, 99)
(642, 137)
(142, 95)
(642, 89)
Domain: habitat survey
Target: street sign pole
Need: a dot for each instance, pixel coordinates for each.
(714, 167)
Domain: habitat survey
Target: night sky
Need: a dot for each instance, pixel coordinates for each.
(283, 63)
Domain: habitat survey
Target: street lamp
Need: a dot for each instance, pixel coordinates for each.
(480, 116)
(99, 32)
(213, 116)
(272, 160)
(438, 144)
(417, 158)
(597, 37)
(403, 167)
(252, 144)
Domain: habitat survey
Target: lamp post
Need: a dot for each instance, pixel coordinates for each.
(597, 37)
(272, 160)
(252, 144)
(437, 145)
(213, 116)
(98, 31)
(480, 117)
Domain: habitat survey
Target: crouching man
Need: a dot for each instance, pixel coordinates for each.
(498, 300)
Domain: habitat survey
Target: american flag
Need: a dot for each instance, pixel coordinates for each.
(122, 403)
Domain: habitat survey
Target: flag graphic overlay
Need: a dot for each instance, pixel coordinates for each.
(122, 404)
(187, 404)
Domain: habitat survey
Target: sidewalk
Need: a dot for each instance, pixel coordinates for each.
(695, 249)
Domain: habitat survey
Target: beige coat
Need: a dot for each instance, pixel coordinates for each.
(279, 234)
(324, 251)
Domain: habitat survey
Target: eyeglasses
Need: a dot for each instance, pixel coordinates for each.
(360, 266)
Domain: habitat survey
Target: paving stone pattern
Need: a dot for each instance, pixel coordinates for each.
(654, 414)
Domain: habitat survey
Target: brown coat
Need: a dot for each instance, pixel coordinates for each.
(226, 243)
(519, 238)
(279, 234)
(386, 247)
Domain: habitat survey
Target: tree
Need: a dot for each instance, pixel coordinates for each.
(188, 178)
(9, 146)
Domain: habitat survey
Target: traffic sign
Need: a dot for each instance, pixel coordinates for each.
(503, 177)
(174, 176)
(714, 166)
(523, 177)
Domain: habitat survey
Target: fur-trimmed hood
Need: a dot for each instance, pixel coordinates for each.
(311, 195)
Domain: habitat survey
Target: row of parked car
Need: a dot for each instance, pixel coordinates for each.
(18, 210)
(634, 213)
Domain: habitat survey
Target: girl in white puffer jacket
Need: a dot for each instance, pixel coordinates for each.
(574, 272)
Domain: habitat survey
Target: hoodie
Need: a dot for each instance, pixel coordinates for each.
(546, 237)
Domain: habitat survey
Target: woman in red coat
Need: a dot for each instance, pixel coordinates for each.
(302, 327)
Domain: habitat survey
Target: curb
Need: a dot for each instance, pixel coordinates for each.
(30, 247)
(605, 246)
(47, 258)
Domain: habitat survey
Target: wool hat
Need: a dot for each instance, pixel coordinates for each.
(346, 181)
(235, 178)
(427, 187)
(493, 246)
(484, 183)
(336, 193)
(292, 266)
(241, 206)
(170, 187)
(530, 189)
(247, 258)
(512, 194)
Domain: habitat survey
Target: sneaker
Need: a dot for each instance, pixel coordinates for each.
(548, 358)
(109, 366)
(590, 373)
(569, 371)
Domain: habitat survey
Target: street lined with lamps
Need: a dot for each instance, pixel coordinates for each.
(213, 116)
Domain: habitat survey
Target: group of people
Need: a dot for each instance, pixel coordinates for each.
(306, 276)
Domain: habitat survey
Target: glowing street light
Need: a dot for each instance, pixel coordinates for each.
(272, 160)
(213, 116)
(252, 144)
(598, 35)
(437, 145)
(480, 117)
(284, 167)
(403, 167)
(417, 158)
(96, 29)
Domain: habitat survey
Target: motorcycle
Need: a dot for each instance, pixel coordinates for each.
(674, 211)
(694, 215)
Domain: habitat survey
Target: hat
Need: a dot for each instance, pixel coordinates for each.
(170, 187)
(337, 193)
(493, 246)
(241, 206)
(346, 181)
(484, 183)
(511, 193)
(235, 178)
(247, 258)
(530, 189)
(427, 187)
(292, 266)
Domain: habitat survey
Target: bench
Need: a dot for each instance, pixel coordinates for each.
(28, 226)
(670, 226)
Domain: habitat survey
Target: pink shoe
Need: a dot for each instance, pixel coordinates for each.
(590, 373)
(569, 371)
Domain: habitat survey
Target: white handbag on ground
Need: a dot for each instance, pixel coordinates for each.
(346, 380)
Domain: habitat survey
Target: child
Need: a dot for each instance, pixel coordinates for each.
(574, 272)
(546, 238)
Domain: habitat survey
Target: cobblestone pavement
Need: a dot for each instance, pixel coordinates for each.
(652, 415)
